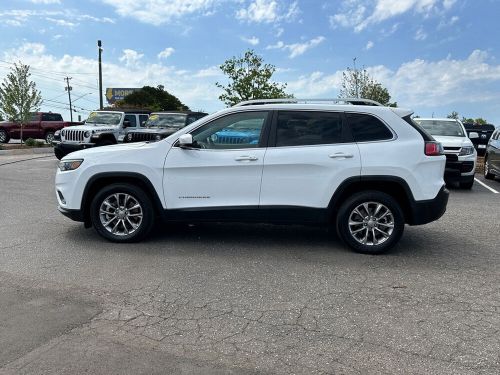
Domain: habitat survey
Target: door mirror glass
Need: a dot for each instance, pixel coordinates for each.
(473, 135)
(186, 140)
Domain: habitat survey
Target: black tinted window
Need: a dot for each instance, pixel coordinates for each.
(143, 119)
(366, 128)
(308, 128)
(132, 120)
(51, 117)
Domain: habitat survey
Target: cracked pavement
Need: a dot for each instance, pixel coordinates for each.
(244, 299)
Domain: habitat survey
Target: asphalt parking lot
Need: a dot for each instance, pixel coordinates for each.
(243, 299)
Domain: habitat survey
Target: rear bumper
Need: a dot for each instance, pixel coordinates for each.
(424, 212)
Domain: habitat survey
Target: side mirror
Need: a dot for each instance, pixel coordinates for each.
(473, 135)
(185, 140)
(143, 123)
(126, 123)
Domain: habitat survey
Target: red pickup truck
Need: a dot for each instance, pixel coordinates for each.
(42, 125)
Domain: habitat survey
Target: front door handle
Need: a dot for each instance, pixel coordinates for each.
(246, 158)
(339, 155)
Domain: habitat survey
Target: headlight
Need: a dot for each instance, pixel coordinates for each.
(86, 134)
(130, 136)
(69, 165)
(158, 137)
(57, 133)
(467, 150)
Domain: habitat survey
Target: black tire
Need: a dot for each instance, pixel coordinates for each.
(487, 174)
(49, 137)
(138, 196)
(4, 136)
(59, 154)
(394, 217)
(467, 184)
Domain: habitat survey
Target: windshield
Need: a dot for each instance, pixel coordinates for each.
(108, 118)
(449, 128)
(166, 120)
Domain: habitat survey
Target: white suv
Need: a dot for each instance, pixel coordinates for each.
(365, 170)
(459, 150)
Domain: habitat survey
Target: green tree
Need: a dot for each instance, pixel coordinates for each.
(19, 95)
(466, 120)
(480, 121)
(453, 115)
(357, 83)
(153, 98)
(249, 78)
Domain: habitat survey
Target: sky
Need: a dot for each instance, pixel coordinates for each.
(434, 56)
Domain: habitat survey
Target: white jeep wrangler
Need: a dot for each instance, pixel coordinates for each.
(365, 170)
(102, 128)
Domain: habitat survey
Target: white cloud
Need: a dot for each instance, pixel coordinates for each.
(267, 11)
(131, 57)
(157, 12)
(196, 93)
(297, 49)
(420, 35)
(418, 83)
(166, 53)
(67, 17)
(253, 40)
(369, 45)
(359, 14)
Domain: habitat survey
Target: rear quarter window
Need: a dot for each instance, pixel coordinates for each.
(367, 128)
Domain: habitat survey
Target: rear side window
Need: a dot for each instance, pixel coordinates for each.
(51, 117)
(308, 128)
(366, 128)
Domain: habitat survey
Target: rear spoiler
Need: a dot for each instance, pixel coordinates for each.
(401, 112)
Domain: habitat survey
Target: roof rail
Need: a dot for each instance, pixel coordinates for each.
(354, 101)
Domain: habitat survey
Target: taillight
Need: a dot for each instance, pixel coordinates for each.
(433, 149)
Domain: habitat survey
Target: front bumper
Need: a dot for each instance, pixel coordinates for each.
(67, 148)
(423, 212)
(458, 168)
(75, 215)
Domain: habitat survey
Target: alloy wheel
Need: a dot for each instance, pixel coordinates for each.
(121, 214)
(371, 223)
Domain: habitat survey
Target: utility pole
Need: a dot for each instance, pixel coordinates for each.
(99, 45)
(68, 88)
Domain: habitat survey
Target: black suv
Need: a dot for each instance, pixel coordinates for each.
(162, 124)
(484, 134)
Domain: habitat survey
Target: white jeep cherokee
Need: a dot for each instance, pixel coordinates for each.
(365, 170)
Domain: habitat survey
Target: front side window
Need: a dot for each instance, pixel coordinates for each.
(308, 128)
(143, 119)
(367, 128)
(239, 130)
(131, 118)
(442, 127)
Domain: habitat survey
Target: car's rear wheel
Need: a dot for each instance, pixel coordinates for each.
(487, 171)
(49, 137)
(370, 222)
(122, 213)
(4, 136)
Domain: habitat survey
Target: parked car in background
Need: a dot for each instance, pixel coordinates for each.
(484, 133)
(363, 170)
(160, 125)
(42, 125)
(102, 128)
(492, 156)
(458, 148)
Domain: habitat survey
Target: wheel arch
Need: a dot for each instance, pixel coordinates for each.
(101, 180)
(392, 185)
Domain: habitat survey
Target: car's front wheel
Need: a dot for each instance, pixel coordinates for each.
(370, 222)
(122, 213)
(487, 171)
(49, 137)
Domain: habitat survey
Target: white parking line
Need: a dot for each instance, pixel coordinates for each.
(486, 186)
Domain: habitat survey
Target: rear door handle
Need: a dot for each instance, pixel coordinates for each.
(246, 158)
(339, 155)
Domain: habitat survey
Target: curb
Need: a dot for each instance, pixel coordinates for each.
(28, 151)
